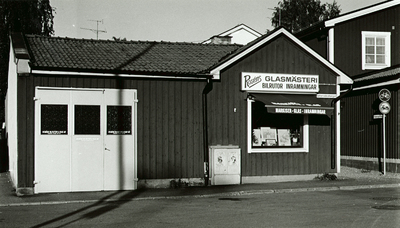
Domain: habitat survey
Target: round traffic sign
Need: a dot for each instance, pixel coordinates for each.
(384, 107)
(384, 95)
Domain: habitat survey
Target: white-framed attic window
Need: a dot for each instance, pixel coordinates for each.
(375, 50)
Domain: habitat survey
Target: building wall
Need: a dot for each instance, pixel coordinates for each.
(242, 36)
(361, 134)
(169, 123)
(348, 38)
(318, 42)
(226, 127)
(11, 119)
(170, 117)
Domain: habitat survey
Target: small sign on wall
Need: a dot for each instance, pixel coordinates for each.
(384, 95)
(384, 107)
(269, 82)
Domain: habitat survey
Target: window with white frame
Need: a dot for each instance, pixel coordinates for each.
(375, 50)
(272, 132)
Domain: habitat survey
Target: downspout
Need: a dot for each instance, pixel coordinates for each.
(333, 127)
(206, 90)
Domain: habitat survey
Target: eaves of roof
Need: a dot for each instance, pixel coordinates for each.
(374, 79)
(381, 74)
(321, 25)
(361, 12)
(19, 46)
(127, 57)
(313, 29)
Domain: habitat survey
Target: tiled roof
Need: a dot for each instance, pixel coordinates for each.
(387, 72)
(132, 57)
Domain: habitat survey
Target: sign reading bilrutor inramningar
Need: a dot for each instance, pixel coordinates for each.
(270, 82)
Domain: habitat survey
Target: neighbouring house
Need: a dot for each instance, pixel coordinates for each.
(95, 115)
(365, 44)
(240, 34)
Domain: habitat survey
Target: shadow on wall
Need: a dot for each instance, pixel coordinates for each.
(3, 151)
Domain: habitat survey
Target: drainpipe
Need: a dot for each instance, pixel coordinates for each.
(333, 127)
(206, 90)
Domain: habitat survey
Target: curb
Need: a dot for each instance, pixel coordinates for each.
(237, 193)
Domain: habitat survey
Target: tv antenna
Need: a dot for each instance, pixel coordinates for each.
(97, 28)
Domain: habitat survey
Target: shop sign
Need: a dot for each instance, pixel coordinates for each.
(300, 111)
(269, 82)
(46, 132)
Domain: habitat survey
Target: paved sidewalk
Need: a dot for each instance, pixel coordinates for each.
(348, 179)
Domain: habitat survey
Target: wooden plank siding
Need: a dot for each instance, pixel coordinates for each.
(396, 108)
(361, 134)
(318, 42)
(25, 137)
(169, 123)
(348, 38)
(226, 127)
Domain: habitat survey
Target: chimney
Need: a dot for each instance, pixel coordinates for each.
(221, 39)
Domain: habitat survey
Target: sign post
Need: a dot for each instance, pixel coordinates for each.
(384, 143)
(384, 108)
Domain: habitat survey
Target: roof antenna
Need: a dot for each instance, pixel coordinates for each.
(97, 28)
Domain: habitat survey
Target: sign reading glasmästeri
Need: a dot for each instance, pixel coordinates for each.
(269, 82)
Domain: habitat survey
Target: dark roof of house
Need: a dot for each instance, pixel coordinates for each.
(130, 57)
(381, 74)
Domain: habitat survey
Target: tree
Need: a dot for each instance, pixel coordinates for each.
(295, 15)
(26, 16)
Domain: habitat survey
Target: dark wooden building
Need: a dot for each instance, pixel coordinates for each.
(233, 112)
(106, 115)
(359, 120)
(363, 43)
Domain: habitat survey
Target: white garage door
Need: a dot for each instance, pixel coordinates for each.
(85, 140)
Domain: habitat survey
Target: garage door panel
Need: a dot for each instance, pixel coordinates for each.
(52, 144)
(87, 163)
(119, 140)
(87, 140)
(119, 163)
(53, 167)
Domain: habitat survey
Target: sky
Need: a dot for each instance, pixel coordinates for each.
(167, 20)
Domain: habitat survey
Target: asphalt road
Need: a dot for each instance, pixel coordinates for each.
(357, 208)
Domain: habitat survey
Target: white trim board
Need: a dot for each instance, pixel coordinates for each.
(362, 12)
(238, 28)
(391, 82)
(111, 75)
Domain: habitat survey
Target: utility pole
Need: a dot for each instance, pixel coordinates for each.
(97, 28)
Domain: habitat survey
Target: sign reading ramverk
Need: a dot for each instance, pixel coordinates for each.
(269, 82)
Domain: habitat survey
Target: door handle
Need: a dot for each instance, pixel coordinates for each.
(106, 149)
